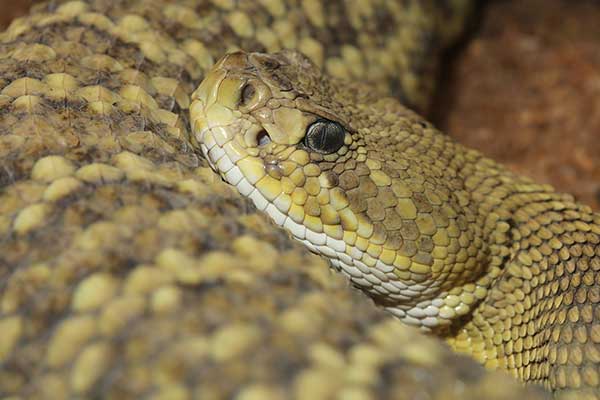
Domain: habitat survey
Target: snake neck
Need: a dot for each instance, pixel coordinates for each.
(543, 254)
(496, 210)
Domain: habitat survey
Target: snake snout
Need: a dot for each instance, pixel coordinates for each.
(253, 95)
(243, 87)
(248, 92)
(234, 60)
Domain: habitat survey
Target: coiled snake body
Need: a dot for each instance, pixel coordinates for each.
(128, 271)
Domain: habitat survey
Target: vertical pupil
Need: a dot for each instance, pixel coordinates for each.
(321, 136)
(325, 136)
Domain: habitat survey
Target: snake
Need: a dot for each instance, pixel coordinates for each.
(129, 269)
(438, 235)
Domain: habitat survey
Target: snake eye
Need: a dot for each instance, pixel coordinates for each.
(324, 136)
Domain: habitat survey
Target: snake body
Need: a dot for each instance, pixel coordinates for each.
(128, 271)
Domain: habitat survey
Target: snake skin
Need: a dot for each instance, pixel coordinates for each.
(129, 271)
(443, 238)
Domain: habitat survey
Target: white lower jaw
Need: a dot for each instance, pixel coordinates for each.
(379, 281)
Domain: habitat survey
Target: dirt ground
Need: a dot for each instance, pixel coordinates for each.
(525, 90)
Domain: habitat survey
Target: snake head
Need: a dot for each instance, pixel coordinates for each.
(263, 126)
(357, 178)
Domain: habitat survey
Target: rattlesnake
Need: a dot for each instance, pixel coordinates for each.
(129, 270)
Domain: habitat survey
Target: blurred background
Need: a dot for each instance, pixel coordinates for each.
(12, 9)
(524, 88)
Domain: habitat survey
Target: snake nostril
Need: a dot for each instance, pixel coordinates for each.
(263, 138)
(248, 92)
